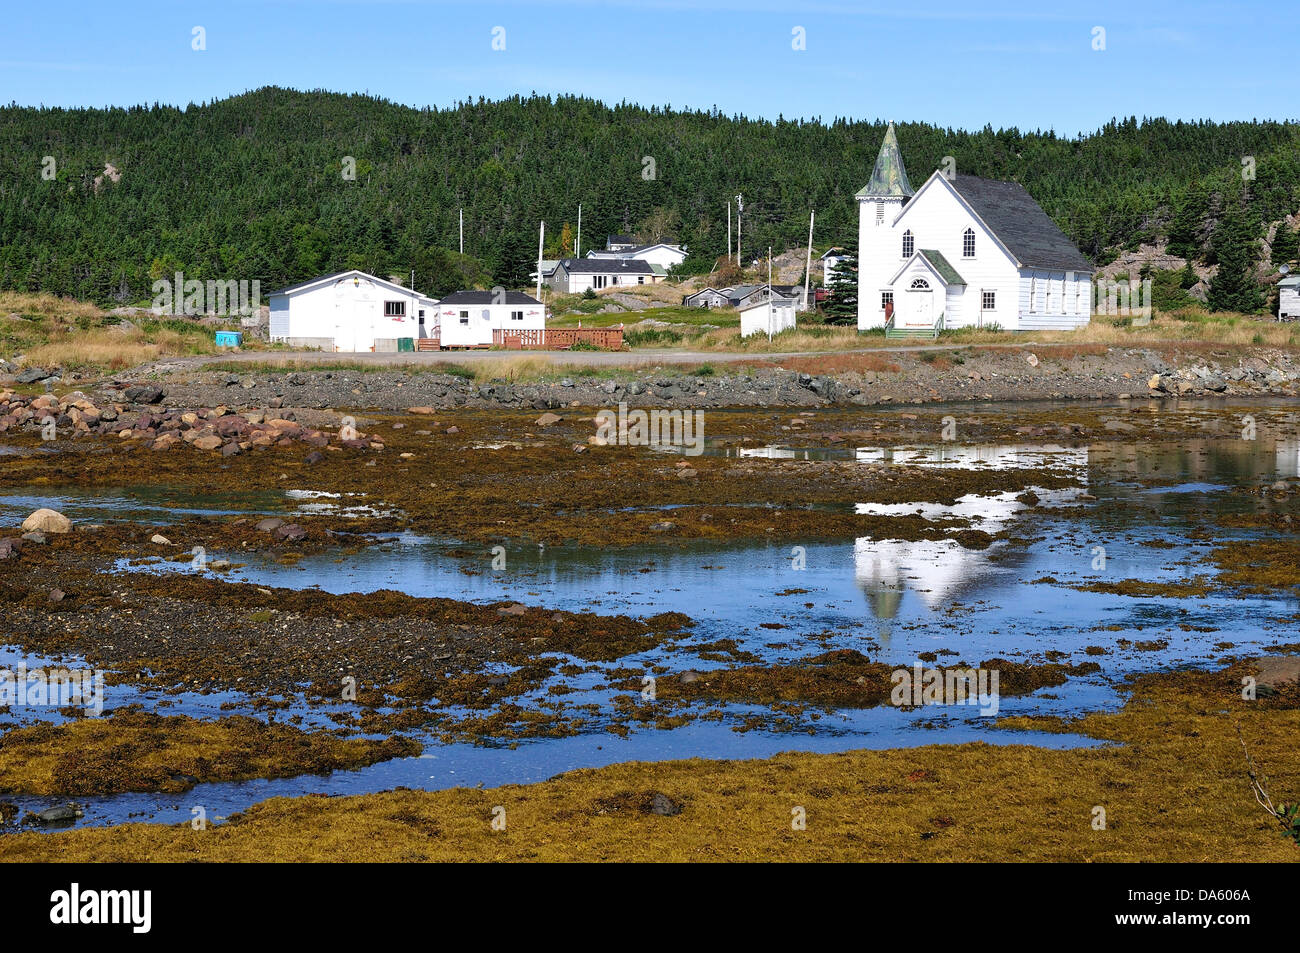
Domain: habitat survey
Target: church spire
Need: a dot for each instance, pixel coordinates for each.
(888, 178)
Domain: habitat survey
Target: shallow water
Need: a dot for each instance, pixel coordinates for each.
(783, 600)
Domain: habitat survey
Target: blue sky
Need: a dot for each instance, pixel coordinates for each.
(1001, 63)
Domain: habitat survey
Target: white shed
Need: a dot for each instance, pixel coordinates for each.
(1288, 298)
(468, 318)
(767, 314)
(350, 311)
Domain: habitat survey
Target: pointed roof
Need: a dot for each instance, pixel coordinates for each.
(888, 178)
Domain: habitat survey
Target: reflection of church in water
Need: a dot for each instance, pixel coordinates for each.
(939, 571)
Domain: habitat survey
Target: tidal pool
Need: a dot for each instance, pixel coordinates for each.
(1140, 511)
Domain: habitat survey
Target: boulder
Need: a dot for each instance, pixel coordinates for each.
(47, 521)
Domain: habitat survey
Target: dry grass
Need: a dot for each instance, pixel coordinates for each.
(59, 332)
(1174, 788)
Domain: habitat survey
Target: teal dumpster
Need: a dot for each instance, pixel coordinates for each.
(406, 344)
(229, 338)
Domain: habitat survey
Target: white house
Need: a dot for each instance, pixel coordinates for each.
(350, 311)
(766, 313)
(830, 260)
(662, 254)
(1288, 298)
(962, 251)
(468, 318)
(576, 275)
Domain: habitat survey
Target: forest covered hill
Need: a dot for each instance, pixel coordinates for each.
(253, 187)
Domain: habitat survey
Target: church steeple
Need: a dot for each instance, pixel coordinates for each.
(888, 178)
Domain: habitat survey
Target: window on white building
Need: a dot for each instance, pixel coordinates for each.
(394, 309)
(968, 243)
(988, 300)
(464, 317)
(909, 244)
(516, 315)
(886, 299)
(880, 213)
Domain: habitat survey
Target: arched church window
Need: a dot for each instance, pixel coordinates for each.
(909, 244)
(968, 243)
(920, 284)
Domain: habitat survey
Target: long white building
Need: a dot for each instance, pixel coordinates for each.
(468, 318)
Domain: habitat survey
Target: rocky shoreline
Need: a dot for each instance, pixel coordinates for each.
(858, 379)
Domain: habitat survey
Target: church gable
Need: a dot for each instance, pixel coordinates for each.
(938, 217)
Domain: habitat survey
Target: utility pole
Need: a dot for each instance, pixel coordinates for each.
(577, 247)
(728, 229)
(541, 240)
(740, 207)
(462, 231)
(807, 269)
(771, 308)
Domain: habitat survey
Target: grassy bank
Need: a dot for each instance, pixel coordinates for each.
(40, 330)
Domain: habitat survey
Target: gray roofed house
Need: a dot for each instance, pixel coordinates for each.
(1020, 223)
(609, 266)
(577, 275)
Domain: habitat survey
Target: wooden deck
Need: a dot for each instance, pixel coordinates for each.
(557, 339)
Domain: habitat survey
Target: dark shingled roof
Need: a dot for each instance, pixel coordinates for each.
(488, 297)
(607, 266)
(1021, 224)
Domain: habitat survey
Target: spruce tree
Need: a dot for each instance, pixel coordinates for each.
(841, 305)
(1233, 288)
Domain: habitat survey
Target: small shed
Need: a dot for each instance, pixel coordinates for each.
(767, 313)
(1288, 298)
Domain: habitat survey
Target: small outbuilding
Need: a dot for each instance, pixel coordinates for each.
(767, 313)
(349, 311)
(1288, 298)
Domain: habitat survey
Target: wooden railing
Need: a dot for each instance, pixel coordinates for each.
(557, 339)
(428, 344)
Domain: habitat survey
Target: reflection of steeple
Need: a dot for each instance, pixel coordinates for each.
(938, 570)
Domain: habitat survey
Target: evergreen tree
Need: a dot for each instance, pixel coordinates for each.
(1236, 247)
(841, 305)
(1286, 245)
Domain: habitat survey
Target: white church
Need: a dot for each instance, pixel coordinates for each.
(959, 252)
